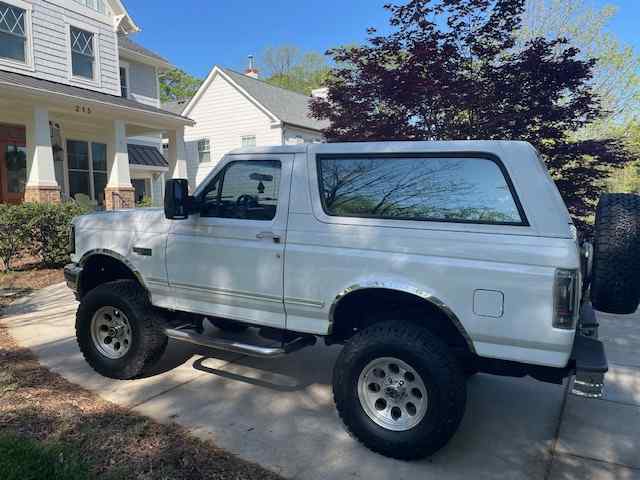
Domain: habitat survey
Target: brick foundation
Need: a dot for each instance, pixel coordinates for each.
(40, 194)
(119, 197)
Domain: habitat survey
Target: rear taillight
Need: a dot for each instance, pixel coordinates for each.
(566, 297)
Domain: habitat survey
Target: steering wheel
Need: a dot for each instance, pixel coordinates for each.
(245, 201)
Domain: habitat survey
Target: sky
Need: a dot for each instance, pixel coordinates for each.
(197, 34)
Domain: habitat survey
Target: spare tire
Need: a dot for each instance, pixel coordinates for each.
(615, 282)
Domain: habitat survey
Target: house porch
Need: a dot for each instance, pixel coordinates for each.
(56, 146)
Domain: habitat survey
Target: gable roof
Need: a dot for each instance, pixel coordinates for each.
(284, 105)
(128, 44)
(124, 22)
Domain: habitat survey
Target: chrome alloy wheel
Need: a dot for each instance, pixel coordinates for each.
(111, 332)
(392, 394)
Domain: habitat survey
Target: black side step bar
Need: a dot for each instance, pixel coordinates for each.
(191, 336)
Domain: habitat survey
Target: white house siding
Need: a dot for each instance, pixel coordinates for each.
(224, 115)
(296, 135)
(143, 83)
(51, 51)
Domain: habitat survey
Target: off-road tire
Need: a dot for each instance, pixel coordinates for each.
(432, 360)
(148, 341)
(229, 325)
(615, 282)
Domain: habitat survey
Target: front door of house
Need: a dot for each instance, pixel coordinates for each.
(13, 163)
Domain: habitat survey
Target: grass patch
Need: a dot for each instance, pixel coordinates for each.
(25, 459)
(53, 429)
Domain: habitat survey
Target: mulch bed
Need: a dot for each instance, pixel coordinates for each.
(39, 405)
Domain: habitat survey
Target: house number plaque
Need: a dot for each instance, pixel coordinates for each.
(83, 109)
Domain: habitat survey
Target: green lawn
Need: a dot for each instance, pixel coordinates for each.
(23, 459)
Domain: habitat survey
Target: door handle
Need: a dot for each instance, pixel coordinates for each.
(271, 235)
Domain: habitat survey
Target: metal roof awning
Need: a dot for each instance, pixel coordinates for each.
(146, 156)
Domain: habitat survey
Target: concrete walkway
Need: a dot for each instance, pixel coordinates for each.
(280, 414)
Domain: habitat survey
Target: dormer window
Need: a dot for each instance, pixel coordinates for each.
(13, 36)
(97, 5)
(82, 53)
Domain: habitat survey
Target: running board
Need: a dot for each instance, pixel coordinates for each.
(191, 336)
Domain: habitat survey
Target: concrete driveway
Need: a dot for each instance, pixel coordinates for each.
(280, 414)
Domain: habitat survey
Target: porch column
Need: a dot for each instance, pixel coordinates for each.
(177, 154)
(41, 186)
(119, 192)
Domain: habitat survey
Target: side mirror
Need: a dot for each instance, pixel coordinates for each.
(177, 201)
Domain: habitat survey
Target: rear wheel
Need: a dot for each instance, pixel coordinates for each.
(399, 390)
(615, 283)
(116, 330)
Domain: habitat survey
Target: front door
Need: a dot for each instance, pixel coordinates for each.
(228, 259)
(13, 163)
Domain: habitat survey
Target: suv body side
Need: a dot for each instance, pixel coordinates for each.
(495, 281)
(458, 266)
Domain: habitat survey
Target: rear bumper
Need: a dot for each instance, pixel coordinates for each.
(72, 274)
(589, 357)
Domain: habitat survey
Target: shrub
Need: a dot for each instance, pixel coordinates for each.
(49, 230)
(146, 202)
(14, 232)
(40, 228)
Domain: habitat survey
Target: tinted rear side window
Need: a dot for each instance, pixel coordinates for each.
(471, 190)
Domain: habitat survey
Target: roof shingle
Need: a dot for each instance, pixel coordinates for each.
(290, 107)
(128, 44)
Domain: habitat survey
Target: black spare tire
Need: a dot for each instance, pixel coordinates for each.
(615, 282)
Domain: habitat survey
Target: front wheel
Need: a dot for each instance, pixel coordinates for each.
(399, 390)
(116, 331)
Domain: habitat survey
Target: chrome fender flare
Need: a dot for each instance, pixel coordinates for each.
(405, 288)
(116, 256)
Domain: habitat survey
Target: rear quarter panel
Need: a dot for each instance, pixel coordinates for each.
(326, 255)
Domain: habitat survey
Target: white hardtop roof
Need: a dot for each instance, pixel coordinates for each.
(496, 147)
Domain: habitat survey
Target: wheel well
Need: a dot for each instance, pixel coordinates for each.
(99, 269)
(364, 307)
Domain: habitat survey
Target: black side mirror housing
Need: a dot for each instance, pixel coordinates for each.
(177, 202)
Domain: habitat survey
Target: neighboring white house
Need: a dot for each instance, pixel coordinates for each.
(233, 110)
(79, 106)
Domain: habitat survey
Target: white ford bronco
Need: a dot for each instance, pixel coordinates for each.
(427, 261)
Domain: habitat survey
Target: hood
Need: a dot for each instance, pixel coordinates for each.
(147, 220)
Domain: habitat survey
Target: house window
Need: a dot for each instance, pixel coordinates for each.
(13, 36)
(97, 5)
(248, 141)
(124, 87)
(204, 150)
(87, 169)
(99, 164)
(82, 53)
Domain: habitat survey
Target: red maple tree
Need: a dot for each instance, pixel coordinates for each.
(449, 70)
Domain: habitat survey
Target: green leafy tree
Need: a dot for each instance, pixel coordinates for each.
(288, 68)
(177, 84)
(616, 73)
